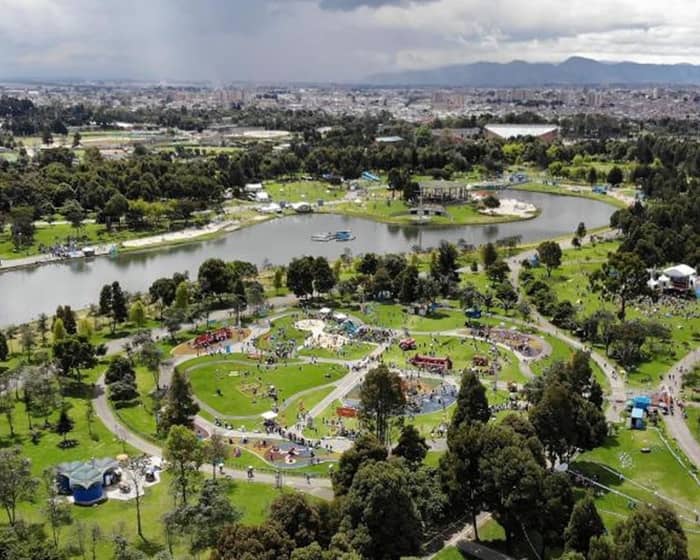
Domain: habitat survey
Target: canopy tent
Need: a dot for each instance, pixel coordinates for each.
(269, 415)
(680, 271)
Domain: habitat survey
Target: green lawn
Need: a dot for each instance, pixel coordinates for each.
(583, 192)
(308, 191)
(252, 499)
(140, 418)
(449, 553)
(649, 473)
(238, 382)
(383, 209)
(351, 351)
(288, 417)
(571, 282)
(46, 453)
(460, 351)
(58, 233)
(393, 316)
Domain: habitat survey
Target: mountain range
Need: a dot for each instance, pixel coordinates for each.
(575, 71)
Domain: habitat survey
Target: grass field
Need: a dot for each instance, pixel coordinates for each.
(307, 191)
(571, 282)
(394, 316)
(244, 387)
(140, 418)
(583, 192)
(460, 351)
(53, 234)
(396, 211)
(116, 516)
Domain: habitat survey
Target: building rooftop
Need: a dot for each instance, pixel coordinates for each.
(515, 130)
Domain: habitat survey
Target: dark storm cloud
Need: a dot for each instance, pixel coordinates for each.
(325, 40)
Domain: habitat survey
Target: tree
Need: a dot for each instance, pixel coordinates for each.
(324, 279)
(42, 325)
(183, 450)
(592, 176)
(615, 176)
(41, 392)
(173, 318)
(65, 424)
(623, 276)
(262, 542)
(56, 510)
(650, 533)
(162, 292)
(368, 264)
(278, 279)
(203, 522)
(408, 285)
(297, 517)
(74, 353)
(74, 213)
(498, 272)
(381, 398)
(300, 276)
(4, 348)
(506, 295)
(134, 469)
(137, 314)
(58, 331)
(549, 253)
(180, 408)
(581, 230)
(182, 296)
(22, 226)
(367, 448)
(7, 403)
(151, 356)
(446, 263)
(380, 514)
(27, 339)
(460, 471)
(114, 209)
(76, 139)
(489, 254)
(215, 451)
(215, 278)
(16, 481)
(411, 445)
(119, 309)
(584, 524)
(472, 403)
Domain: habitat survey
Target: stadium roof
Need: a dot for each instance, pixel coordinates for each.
(516, 130)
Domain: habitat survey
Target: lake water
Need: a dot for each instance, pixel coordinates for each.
(27, 293)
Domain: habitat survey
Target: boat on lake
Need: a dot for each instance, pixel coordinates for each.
(327, 236)
(344, 235)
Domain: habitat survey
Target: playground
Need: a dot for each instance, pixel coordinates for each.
(239, 388)
(462, 353)
(424, 395)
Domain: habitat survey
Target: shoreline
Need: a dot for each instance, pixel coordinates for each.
(8, 265)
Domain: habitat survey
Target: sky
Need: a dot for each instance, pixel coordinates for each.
(223, 41)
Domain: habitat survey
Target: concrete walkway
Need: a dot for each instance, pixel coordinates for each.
(676, 423)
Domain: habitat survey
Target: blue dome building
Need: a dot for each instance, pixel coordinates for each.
(86, 481)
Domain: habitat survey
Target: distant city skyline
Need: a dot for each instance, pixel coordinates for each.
(328, 40)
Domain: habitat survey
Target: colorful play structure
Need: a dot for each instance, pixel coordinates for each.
(212, 337)
(431, 362)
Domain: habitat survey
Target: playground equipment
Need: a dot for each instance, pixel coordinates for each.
(212, 337)
(407, 344)
(431, 362)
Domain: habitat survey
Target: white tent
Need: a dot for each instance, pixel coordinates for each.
(269, 415)
(680, 271)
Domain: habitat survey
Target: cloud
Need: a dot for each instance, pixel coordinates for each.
(349, 5)
(325, 40)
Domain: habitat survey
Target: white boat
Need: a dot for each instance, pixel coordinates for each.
(328, 236)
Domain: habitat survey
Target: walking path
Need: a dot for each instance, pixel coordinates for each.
(676, 423)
